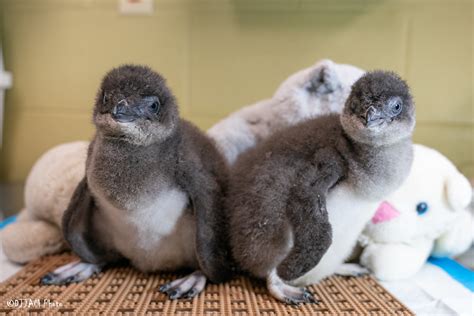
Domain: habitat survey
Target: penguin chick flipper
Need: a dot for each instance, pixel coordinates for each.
(76, 271)
(79, 231)
(212, 248)
(307, 213)
(312, 236)
(187, 287)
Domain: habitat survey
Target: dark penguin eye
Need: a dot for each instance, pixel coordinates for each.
(421, 208)
(155, 106)
(395, 107)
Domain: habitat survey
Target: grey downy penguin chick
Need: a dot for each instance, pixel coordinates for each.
(153, 189)
(299, 200)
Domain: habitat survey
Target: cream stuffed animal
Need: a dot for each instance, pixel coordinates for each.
(426, 216)
(320, 89)
(48, 189)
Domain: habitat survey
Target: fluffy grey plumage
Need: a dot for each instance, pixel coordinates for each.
(154, 187)
(298, 201)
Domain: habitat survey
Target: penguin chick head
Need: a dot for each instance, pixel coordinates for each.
(135, 105)
(379, 110)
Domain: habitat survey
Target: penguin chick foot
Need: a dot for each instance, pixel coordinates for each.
(187, 287)
(351, 269)
(286, 293)
(76, 271)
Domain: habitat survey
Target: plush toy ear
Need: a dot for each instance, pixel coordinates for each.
(324, 79)
(458, 191)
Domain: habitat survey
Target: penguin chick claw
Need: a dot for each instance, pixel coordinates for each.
(187, 287)
(288, 294)
(73, 272)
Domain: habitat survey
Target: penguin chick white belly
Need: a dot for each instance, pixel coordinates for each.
(348, 212)
(156, 235)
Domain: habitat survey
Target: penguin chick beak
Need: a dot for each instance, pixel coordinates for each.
(146, 108)
(374, 117)
(123, 114)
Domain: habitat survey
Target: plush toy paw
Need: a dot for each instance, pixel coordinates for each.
(351, 270)
(395, 261)
(23, 241)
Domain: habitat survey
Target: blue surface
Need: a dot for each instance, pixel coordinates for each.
(455, 270)
(7, 221)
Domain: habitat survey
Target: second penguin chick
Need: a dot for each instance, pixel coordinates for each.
(153, 189)
(299, 200)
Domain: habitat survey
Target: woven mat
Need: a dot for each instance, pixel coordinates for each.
(125, 291)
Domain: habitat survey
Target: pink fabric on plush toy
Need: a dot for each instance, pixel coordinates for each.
(384, 213)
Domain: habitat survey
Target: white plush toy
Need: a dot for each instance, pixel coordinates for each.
(48, 189)
(427, 215)
(320, 89)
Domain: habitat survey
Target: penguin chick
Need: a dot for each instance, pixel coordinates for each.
(300, 199)
(152, 192)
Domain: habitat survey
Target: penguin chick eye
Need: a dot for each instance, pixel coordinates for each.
(394, 107)
(421, 208)
(154, 106)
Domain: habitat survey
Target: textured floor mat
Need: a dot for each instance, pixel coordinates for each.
(125, 291)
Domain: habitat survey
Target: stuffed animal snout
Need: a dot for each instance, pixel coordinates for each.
(385, 212)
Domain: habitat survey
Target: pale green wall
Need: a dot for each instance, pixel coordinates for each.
(219, 55)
